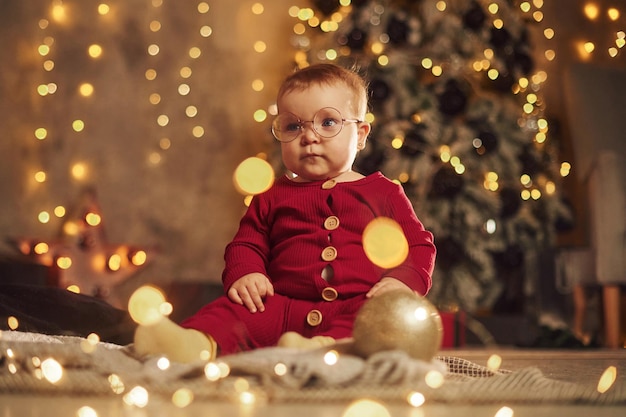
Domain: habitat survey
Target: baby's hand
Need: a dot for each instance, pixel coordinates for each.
(387, 284)
(250, 289)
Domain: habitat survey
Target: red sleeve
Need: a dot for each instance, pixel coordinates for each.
(249, 249)
(416, 271)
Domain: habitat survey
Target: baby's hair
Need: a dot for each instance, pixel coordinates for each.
(328, 74)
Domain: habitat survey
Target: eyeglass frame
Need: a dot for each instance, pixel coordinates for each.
(302, 122)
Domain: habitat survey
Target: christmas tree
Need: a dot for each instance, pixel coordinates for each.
(458, 120)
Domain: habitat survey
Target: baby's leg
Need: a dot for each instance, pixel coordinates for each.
(295, 340)
(177, 343)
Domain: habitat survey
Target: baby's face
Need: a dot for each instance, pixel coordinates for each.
(311, 156)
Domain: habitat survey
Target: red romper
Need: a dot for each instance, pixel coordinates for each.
(307, 239)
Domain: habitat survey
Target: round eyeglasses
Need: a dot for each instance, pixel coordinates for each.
(327, 123)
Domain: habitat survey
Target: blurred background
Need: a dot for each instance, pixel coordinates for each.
(122, 123)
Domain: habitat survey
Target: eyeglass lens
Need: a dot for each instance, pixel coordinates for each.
(327, 122)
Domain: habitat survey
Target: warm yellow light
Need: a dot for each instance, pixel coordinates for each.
(191, 111)
(493, 74)
(384, 242)
(538, 16)
(48, 65)
(52, 370)
(13, 324)
(331, 54)
(369, 408)
(40, 176)
(184, 89)
(43, 50)
(206, 31)
(154, 98)
(260, 115)
(78, 125)
(589, 47)
(535, 194)
(150, 74)
(103, 9)
(565, 169)
(163, 120)
(64, 262)
(607, 379)
(41, 133)
(59, 13)
(548, 33)
(182, 397)
(86, 411)
(494, 362)
(258, 8)
(115, 262)
(43, 217)
(185, 72)
(253, 176)
(59, 211)
(144, 305)
(260, 46)
(591, 10)
(41, 248)
(85, 89)
(498, 23)
(197, 131)
(437, 70)
(434, 379)
(79, 171)
(153, 49)
(203, 7)
(427, 63)
(195, 52)
(93, 219)
(139, 258)
(94, 50)
(73, 288)
(416, 399)
(504, 412)
(441, 6)
(165, 143)
(258, 85)
(377, 48)
(155, 26)
(613, 13)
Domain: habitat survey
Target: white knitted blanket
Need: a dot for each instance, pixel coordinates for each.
(304, 375)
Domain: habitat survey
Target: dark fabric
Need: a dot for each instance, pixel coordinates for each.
(56, 311)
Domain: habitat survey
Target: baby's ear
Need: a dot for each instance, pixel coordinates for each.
(364, 131)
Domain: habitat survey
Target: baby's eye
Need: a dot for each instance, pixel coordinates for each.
(292, 127)
(329, 122)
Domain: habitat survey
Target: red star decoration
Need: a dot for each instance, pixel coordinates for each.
(84, 260)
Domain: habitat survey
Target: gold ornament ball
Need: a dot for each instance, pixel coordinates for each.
(398, 320)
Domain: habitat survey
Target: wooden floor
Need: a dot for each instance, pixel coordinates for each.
(570, 365)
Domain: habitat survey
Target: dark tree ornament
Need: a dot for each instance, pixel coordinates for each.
(512, 257)
(504, 83)
(414, 142)
(511, 201)
(356, 39)
(531, 163)
(379, 91)
(449, 253)
(474, 17)
(500, 38)
(398, 30)
(327, 7)
(446, 183)
(453, 100)
(523, 61)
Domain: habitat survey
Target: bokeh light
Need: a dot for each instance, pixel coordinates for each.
(144, 305)
(253, 176)
(384, 242)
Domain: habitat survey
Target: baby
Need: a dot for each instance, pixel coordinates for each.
(296, 272)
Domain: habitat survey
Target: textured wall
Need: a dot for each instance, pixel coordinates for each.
(185, 204)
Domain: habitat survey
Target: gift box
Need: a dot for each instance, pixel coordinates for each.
(453, 329)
